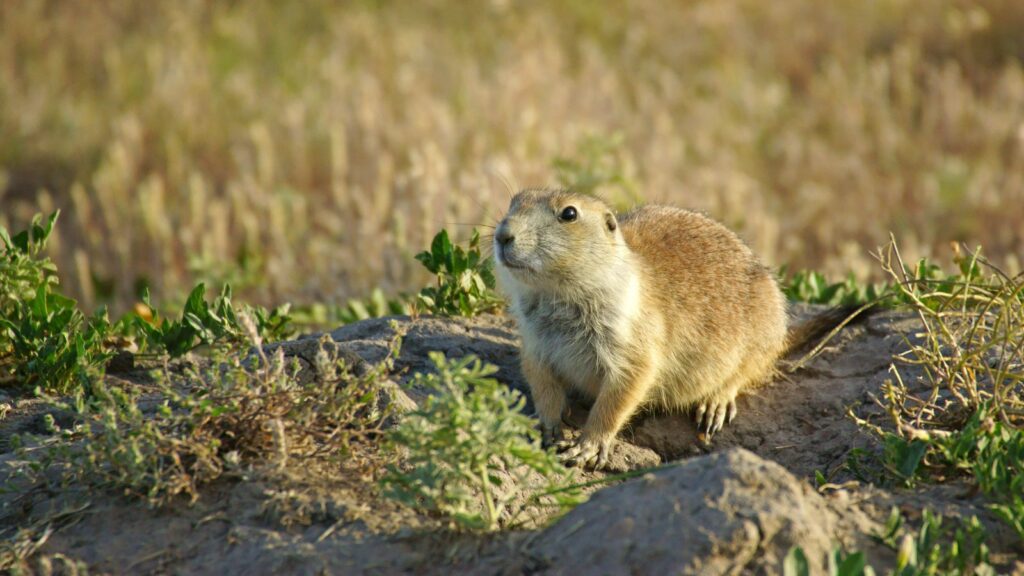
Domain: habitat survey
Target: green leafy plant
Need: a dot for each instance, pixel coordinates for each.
(45, 340)
(937, 548)
(903, 458)
(469, 451)
(814, 287)
(206, 323)
(934, 549)
(839, 564)
(465, 278)
(993, 453)
(373, 306)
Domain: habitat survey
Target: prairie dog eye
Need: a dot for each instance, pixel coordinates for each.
(569, 214)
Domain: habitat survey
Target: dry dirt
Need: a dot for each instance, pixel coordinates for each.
(733, 507)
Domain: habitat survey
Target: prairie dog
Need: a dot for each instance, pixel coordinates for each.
(661, 307)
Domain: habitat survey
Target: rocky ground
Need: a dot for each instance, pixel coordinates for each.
(735, 506)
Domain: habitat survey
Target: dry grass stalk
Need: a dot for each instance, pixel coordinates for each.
(970, 350)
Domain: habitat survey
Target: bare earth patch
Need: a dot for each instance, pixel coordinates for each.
(735, 506)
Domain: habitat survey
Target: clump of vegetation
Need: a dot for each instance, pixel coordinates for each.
(934, 549)
(839, 564)
(955, 399)
(354, 310)
(205, 323)
(985, 449)
(463, 286)
(45, 340)
(972, 350)
(464, 278)
(234, 413)
(992, 452)
(469, 451)
(937, 548)
(814, 287)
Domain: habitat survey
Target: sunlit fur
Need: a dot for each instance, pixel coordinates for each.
(668, 309)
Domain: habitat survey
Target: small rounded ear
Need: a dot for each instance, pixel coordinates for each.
(609, 221)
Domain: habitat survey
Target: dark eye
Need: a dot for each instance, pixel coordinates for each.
(568, 214)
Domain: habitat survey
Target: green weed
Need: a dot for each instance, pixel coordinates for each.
(235, 414)
(994, 453)
(375, 305)
(813, 287)
(464, 278)
(934, 549)
(839, 564)
(469, 451)
(45, 340)
(204, 323)
(955, 399)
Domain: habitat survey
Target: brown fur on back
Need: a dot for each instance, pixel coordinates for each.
(703, 275)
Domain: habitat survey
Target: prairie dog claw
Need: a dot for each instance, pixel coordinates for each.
(712, 415)
(584, 452)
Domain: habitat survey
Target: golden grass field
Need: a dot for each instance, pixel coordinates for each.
(305, 151)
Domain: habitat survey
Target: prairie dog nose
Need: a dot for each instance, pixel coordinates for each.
(504, 236)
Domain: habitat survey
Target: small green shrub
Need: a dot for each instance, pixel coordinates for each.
(45, 340)
(985, 448)
(465, 278)
(469, 450)
(235, 413)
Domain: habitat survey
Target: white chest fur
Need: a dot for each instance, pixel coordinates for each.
(582, 337)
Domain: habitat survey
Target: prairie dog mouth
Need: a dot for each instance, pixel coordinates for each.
(511, 262)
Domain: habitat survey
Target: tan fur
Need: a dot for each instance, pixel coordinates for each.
(668, 309)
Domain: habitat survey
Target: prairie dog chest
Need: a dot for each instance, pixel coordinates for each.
(583, 340)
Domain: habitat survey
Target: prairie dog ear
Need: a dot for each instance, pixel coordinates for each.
(610, 222)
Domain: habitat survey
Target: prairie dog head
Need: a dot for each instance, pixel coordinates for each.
(558, 241)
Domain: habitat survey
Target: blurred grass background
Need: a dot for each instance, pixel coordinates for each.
(304, 151)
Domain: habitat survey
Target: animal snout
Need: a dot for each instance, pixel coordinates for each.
(504, 236)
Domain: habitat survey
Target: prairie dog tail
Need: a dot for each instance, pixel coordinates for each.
(823, 326)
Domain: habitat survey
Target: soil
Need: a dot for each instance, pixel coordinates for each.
(732, 506)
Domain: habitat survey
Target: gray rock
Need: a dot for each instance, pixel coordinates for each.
(725, 513)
